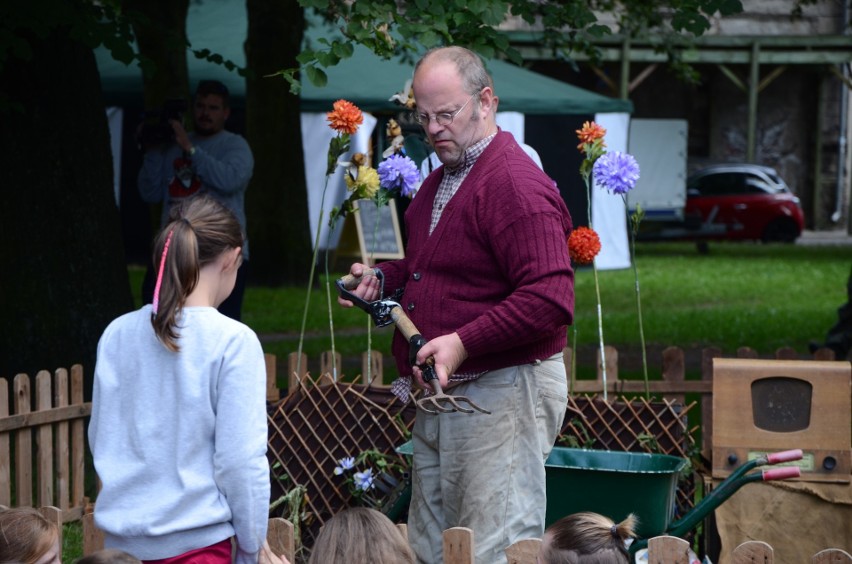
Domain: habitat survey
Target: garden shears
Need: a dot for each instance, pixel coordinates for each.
(384, 312)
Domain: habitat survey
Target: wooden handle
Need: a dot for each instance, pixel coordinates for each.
(351, 282)
(403, 323)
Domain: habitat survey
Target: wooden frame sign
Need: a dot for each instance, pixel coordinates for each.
(379, 237)
(764, 406)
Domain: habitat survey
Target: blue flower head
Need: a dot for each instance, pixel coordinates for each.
(399, 172)
(364, 480)
(616, 172)
(344, 464)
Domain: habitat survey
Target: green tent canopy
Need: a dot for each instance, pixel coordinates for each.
(364, 79)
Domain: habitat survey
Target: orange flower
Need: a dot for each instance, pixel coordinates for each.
(583, 245)
(589, 133)
(345, 118)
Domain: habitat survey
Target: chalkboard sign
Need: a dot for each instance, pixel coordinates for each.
(378, 231)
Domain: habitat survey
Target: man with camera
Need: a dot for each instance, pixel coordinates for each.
(209, 159)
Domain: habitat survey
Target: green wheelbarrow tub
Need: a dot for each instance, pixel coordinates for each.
(614, 484)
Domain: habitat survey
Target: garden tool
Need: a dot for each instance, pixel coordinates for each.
(386, 311)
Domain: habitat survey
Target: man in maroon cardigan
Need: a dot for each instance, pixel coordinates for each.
(488, 281)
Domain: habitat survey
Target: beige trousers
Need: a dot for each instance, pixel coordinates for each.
(486, 472)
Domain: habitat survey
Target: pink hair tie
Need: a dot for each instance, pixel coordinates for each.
(156, 303)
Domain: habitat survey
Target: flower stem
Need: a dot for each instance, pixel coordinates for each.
(633, 228)
(600, 328)
(330, 315)
(310, 283)
(587, 180)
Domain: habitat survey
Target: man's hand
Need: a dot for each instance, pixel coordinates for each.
(368, 287)
(449, 353)
(181, 137)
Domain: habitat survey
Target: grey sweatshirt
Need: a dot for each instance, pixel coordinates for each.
(179, 439)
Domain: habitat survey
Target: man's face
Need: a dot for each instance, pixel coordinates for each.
(210, 114)
(438, 88)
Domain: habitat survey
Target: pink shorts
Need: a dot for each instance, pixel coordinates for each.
(219, 553)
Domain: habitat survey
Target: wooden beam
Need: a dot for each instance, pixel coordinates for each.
(640, 78)
(754, 79)
(733, 77)
(767, 80)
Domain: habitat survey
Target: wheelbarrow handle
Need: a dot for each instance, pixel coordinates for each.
(784, 456)
(782, 473)
(351, 282)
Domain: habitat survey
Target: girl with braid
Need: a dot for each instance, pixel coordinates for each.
(178, 429)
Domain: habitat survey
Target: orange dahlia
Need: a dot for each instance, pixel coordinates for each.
(589, 133)
(583, 245)
(345, 118)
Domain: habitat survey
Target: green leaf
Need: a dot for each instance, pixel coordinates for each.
(306, 56)
(317, 77)
(343, 50)
(327, 58)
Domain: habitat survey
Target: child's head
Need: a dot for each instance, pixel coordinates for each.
(586, 538)
(109, 556)
(28, 537)
(360, 535)
(201, 231)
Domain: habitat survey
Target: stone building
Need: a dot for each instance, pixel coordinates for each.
(772, 89)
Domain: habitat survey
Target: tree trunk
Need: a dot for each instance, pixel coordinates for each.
(64, 276)
(276, 202)
(162, 39)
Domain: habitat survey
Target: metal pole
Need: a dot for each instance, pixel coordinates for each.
(753, 84)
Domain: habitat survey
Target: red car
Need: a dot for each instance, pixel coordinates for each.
(743, 201)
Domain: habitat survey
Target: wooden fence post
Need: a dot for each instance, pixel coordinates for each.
(5, 454)
(753, 551)
(458, 546)
(78, 443)
(281, 538)
(674, 371)
(44, 441)
(23, 445)
(372, 367)
(668, 550)
(63, 467)
(296, 362)
(523, 551)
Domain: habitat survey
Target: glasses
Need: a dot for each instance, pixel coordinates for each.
(443, 118)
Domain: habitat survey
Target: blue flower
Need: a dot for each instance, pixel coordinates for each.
(364, 480)
(616, 172)
(399, 172)
(347, 463)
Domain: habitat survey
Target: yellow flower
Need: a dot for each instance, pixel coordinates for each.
(345, 118)
(366, 184)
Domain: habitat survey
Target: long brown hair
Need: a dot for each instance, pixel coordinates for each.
(587, 538)
(360, 535)
(200, 230)
(25, 535)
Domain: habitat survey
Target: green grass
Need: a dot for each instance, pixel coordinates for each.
(761, 296)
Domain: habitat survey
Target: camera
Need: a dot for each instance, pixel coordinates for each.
(156, 129)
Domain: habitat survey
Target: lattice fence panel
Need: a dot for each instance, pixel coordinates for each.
(316, 426)
(634, 425)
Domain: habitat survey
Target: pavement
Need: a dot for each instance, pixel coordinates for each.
(837, 237)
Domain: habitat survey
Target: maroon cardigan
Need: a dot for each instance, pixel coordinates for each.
(496, 268)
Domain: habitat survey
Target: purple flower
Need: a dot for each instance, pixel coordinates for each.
(399, 172)
(347, 463)
(364, 480)
(616, 172)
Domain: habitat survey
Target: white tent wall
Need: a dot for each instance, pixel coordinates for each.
(316, 135)
(609, 218)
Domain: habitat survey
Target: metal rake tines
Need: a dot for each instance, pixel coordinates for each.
(439, 398)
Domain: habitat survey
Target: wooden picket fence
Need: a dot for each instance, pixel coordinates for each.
(42, 443)
(672, 386)
(459, 545)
